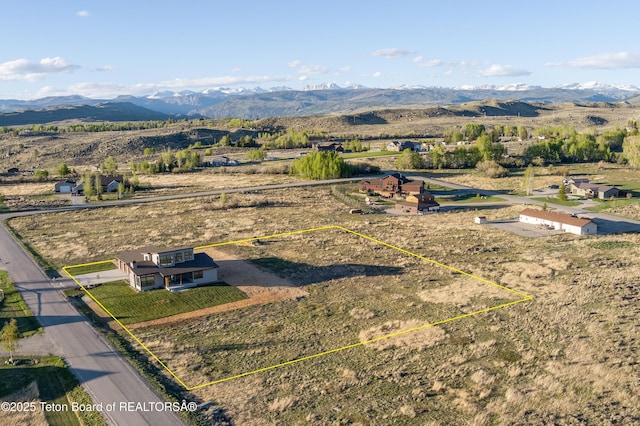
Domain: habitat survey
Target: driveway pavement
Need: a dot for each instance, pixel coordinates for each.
(95, 278)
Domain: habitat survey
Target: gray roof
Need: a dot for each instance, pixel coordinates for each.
(200, 262)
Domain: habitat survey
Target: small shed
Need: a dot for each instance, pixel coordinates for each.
(481, 220)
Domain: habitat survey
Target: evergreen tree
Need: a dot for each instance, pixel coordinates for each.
(63, 170)
(562, 192)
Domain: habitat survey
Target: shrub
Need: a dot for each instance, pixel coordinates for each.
(491, 169)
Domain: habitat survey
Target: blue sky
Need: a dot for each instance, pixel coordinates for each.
(102, 49)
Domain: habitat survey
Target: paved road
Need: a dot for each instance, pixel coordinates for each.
(104, 373)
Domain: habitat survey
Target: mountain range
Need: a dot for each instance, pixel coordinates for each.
(283, 101)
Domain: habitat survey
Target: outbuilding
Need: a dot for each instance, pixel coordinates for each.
(559, 221)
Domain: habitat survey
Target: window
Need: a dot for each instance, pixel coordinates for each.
(165, 259)
(178, 256)
(148, 280)
(188, 255)
(197, 275)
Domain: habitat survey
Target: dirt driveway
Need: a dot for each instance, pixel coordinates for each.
(260, 287)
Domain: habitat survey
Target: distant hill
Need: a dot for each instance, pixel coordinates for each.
(109, 111)
(312, 100)
(320, 102)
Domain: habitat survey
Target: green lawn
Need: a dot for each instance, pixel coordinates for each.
(470, 198)
(367, 154)
(434, 188)
(130, 306)
(620, 202)
(88, 269)
(14, 307)
(56, 385)
(556, 200)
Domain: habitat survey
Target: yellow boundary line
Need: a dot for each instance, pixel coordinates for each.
(525, 298)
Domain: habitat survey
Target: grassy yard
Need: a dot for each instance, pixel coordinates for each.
(88, 269)
(556, 200)
(130, 306)
(55, 385)
(470, 198)
(367, 154)
(612, 204)
(14, 307)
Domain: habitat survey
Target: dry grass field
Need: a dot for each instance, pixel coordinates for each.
(569, 356)
(29, 394)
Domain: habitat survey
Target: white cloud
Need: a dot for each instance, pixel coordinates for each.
(105, 68)
(22, 69)
(430, 64)
(313, 69)
(82, 13)
(391, 53)
(418, 59)
(294, 64)
(345, 69)
(376, 74)
(603, 61)
(108, 90)
(496, 70)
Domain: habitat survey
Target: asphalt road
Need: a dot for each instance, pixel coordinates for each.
(104, 373)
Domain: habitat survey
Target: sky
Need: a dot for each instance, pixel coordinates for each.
(102, 49)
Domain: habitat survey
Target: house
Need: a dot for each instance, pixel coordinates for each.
(64, 186)
(581, 187)
(392, 185)
(108, 183)
(412, 187)
(590, 190)
(151, 267)
(328, 147)
(401, 146)
(559, 221)
(387, 186)
(221, 161)
(418, 203)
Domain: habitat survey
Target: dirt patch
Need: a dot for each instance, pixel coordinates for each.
(418, 339)
(462, 292)
(260, 287)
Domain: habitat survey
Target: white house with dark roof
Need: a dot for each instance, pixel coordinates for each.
(559, 221)
(173, 269)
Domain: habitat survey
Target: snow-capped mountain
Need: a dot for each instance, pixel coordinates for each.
(598, 86)
(256, 102)
(323, 86)
(515, 87)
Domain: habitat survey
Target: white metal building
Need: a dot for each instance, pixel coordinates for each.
(559, 221)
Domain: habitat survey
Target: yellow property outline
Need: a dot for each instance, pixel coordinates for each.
(524, 298)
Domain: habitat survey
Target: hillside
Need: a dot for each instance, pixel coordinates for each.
(110, 111)
(284, 102)
(344, 101)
